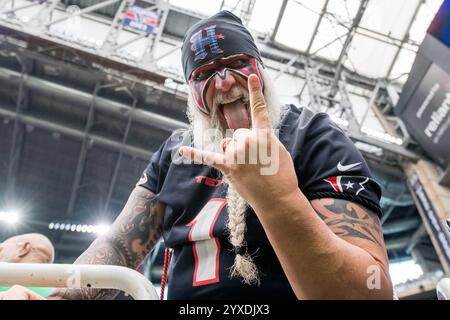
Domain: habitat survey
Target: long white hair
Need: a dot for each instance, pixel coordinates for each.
(207, 132)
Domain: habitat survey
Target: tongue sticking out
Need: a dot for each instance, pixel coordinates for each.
(236, 115)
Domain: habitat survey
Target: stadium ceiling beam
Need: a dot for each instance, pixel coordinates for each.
(294, 59)
(82, 155)
(18, 130)
(82, 11)
(48, 125)
(371, 102)
(266, 50)
(157, 120)
(103, 104)
(279, 18)
(391, 148)
(346, 107)
(286, 66)
(3, 3)
(397, 244)
(281, 53)
(147, 59)
(244, 13)
(43, 16)
(405, 38)
(167, 53)
(385, 38)
(110, 41)
(415, 238)
(21, 37)
(15, 9)
(401, 225)
(248, 11)
(113, 182)
(269, 50)
(316, 28)
(346, 46)
(130, 41)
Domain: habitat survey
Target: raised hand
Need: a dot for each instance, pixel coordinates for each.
(253, 160)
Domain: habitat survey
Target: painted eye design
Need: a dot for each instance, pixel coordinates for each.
(203, 75)
(238, 64)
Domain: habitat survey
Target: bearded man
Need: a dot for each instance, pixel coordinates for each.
(303, 223)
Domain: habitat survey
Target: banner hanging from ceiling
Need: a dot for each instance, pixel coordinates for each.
(141, 19)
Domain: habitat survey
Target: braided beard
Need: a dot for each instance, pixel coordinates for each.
(243, 266)
(207, 133)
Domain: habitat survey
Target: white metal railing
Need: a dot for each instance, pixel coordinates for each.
(443, 289)
(78, 276)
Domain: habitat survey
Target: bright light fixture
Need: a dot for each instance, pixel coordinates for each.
(85, 228)
(101, 229)
(9, 217)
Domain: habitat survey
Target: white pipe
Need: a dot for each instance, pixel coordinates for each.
(85, 99)
(75, 276)
(443, 289)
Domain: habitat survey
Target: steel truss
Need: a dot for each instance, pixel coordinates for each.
(326, 93)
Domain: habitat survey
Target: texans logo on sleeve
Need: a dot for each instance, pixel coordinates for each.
(347, 184)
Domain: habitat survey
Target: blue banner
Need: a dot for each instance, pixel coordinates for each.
(140, 19)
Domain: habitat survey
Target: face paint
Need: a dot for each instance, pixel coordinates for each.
(202, 78)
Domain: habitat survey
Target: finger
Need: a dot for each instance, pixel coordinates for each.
(258, 108)
(209, 158)
(33, 296)
(21, 293)
(242, 138)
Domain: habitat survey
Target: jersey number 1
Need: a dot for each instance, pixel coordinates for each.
(206, 248)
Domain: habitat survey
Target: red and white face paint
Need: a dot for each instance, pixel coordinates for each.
(203, 78)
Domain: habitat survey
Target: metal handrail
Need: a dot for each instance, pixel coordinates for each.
(443, 289)
(76, 276)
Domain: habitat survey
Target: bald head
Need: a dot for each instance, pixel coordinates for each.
(27, 248)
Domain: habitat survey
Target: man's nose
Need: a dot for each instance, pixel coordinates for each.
(224, 80)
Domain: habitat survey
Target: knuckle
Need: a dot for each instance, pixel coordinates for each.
(16, 287)
(259, 105)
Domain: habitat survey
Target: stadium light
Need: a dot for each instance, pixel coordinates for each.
(10, 217)
(101, 229)
(97, 229)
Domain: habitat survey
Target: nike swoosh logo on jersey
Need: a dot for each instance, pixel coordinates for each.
(347, 167)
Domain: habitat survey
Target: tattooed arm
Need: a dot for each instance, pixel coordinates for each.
(328, 248)
(130, 239)
(354, 224)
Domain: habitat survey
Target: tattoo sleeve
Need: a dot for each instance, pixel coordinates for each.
(349, 220)
(130, 239)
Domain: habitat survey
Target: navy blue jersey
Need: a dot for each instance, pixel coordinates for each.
(327, 165)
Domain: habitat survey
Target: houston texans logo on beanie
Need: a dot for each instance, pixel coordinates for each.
(199, 43)
(221, 35)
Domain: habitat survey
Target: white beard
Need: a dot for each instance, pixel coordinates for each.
(207, 133)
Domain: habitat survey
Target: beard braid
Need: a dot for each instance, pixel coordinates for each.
(243, 266)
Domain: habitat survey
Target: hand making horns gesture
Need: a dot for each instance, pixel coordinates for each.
(254, 160)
